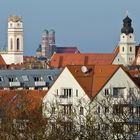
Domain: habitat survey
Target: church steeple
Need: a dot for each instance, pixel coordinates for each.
(127, 29)
(127, 42)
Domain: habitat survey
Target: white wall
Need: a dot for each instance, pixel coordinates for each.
(65, 80)
(11, 58)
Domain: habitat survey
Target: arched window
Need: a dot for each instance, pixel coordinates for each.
(18, 44)
(122, 49)
(11, 43)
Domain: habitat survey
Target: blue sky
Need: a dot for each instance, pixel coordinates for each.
(92, 25)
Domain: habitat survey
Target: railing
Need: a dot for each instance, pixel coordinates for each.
(15, 84)
(40, 83)
(64, 100)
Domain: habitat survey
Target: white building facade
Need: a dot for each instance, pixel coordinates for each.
(14, 55)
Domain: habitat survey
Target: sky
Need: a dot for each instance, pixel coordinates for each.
(91, 25)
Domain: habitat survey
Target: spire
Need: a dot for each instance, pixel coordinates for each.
(127, 29)
(126, 13)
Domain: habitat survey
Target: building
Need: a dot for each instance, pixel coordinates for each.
(126, 52)
(81, 88)
(14, 54)
(31, 79)
(48, 46)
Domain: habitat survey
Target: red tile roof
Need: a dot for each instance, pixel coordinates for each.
(15, 102)
(137, 55)
(136, 76)
(62, 60)
(96, 77)
(2, 62)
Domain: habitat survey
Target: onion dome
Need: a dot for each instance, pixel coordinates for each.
(127, 29)
(39, 49)
(52, 31)
(45, 32)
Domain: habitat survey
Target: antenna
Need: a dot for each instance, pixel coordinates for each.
(84, 69)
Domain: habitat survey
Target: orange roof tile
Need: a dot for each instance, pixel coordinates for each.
(2, 62)
(62, 60)
(96, 77)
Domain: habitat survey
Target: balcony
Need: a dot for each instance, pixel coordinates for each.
(14, 84)
(40, 83)
(64, 100)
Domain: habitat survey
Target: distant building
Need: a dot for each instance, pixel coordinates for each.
(31, 79)
(126, 52)
(48, 47)
(14, 54)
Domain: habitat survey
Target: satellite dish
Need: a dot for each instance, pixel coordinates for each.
(84, 69)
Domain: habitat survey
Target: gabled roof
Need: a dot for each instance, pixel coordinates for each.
(62, 60)
(96, 77)
(15, 102)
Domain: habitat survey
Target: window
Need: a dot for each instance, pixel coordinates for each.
(131, 90)
(53, 110)
(76, 92)
(118, 92)
(130, 36)
(25, 78)
(38, 78)
(123, 36)
(1, 79)
(130, 49)
(67, 92)
(18, 44)
(67, 109)
(106, 110)
(81, 111)
(117, 109)
(12, 79)
(11, 40)
(98, 109)
(122, 49)
(118, 59)
(106, 92)
(50, 77)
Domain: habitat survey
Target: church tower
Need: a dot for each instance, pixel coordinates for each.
(45, 43)
(15, 41)
(127, 42)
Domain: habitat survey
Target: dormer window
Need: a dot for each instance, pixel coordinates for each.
(50, 77)
(37, 78)
(1, 79)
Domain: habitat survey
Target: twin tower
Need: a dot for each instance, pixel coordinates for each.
(14, 54)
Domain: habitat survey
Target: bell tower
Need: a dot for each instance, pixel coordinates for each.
(15, 40)
(127, 42)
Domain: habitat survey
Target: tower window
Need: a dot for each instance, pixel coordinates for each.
(122, 49)
(18, 44)
(123, 37)
(130, 36)
(11, 44)
(130, 49)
